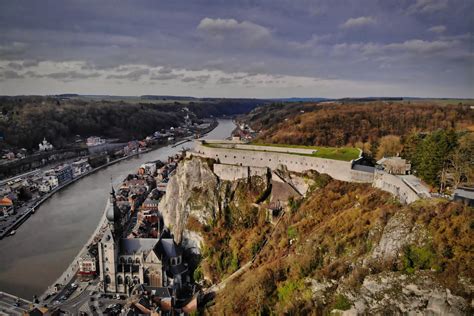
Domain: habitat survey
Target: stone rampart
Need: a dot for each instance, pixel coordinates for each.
(395, 185)
(289, 150)
(234, 162)
(337, 169)
(234, 172)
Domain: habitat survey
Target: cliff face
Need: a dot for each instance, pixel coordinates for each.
(342, 246)
(192, 191)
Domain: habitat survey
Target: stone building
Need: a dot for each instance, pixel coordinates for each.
(125, 263)
(395, 165)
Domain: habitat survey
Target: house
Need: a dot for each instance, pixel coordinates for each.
(148, 168)
(395, 165)
(150, 205)
(87, 265)
(6, 206)
(44, 187)
(80, 167)
(64, 173)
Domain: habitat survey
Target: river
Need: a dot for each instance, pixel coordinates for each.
(48, 241)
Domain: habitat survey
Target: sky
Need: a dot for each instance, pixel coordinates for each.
(261, 49)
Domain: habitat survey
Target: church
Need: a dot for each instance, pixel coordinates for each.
(125, 263)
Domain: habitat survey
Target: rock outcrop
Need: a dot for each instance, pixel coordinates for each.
(192, 191)
(401, 294)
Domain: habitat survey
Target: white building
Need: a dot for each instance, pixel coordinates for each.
(95, 141)
(45, 145)
(80, 167)
(87, 265)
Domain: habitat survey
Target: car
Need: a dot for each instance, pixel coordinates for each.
(74, 285)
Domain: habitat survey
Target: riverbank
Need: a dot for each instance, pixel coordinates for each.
(45, 245)
(32, 209)
(69, 274)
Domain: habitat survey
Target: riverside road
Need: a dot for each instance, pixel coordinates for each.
(45, 245)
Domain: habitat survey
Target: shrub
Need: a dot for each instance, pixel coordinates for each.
(292, 232)
(197, 274)
(342, 303)
(418, 258)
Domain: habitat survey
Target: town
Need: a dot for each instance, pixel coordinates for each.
(132, 260)
(21, 195)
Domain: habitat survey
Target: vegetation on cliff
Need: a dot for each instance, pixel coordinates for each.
(328, 243)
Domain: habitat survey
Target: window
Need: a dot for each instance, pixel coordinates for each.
(130, 260)
(119, 280)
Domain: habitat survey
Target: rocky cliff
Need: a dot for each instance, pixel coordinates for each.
(192, 191)
(342, 247)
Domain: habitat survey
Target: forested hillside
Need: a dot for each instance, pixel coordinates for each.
(25, 121)
(437, 139)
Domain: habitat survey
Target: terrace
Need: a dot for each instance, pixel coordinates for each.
(336, 153)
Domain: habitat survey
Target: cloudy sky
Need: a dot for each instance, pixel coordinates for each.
(268, 48)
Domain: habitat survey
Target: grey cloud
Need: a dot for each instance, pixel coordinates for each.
(358, 22)
(165, 70)
(165, 76)
(199, 79)
(10, 74)
(225, 80)
(234, 32)
(427, 6)
(12, 50)
(65, 76)
(30, 63)
(133, 75)
(272, 37)
(437, 29)
(15, 66)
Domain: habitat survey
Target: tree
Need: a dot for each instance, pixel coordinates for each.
(461, 161)
(435, 150)
(389, 145)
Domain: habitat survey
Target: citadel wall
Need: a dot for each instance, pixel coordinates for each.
(235, 162)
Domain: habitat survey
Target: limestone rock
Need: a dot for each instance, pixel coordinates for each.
(192, 191)
(398, 294)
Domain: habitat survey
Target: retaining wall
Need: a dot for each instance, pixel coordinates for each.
(233, 172)
(234, 163)
(395, 185)
(337, 169)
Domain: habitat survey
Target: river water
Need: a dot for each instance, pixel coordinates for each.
(48, 241)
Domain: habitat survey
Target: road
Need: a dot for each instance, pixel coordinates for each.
(7, 305)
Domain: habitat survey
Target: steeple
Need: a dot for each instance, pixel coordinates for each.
(114, 215)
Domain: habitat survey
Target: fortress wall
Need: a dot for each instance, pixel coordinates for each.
(257, 171)
(361, 176)
(340, 170)
(394, 185)
(269, 148)
(233, 172)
